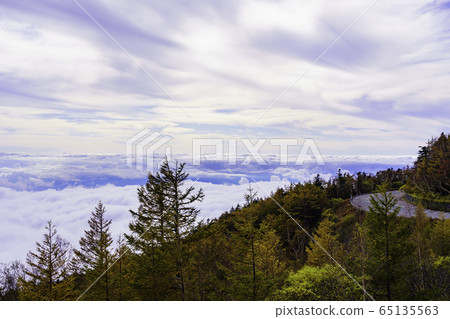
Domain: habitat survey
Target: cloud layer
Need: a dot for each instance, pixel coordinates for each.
(66, 188)
(66, 86)
(42, 172)
(24, 213)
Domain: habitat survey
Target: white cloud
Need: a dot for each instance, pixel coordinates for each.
(275, 178)
(47, 54)
(25, 213)
(243, 181)
(68, 87)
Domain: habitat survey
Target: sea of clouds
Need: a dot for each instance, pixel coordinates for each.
(66, 188)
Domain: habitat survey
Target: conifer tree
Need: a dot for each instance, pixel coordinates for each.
(420, 238)
(431, 172)
(326, 240)
(150, 225)
(387, 240)
(208, 250)
(181, 214)
(152, 278)
(165, 217)
(357, 256)
(94, 256)
(440, 235)
(249, 198)
(47, 274)
(245, 238)
(120, 272)
(269, 262)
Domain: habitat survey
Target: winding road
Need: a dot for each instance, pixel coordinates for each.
(406, 209)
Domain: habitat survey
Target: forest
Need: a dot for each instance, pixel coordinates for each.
(303, 242)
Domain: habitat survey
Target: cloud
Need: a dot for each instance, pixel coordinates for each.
(24, 213)
(66, 188)
(275, 178)
(243, 181)
(67, 87)
(42, 172)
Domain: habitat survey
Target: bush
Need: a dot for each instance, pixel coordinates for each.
(440, 204)
(319, 284)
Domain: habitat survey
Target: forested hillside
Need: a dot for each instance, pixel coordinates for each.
(304, 242)
(429, 182)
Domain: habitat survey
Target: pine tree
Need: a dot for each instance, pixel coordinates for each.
(244, 238)
(249, 199)
(208, 248)
(431, 172)
(420, 238)
(357, 256)
(152, 276)
(47, 274)
(120, 272)
(387, 240)
(269, 262)
(149, 225)
(326, 240)
(181, 214)
(254, 266)
(440, 235)
(94, 256)
(159, 228)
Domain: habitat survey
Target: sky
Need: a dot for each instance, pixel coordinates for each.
(367, 81)
(212, 68)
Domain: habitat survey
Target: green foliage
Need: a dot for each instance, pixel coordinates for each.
(427, 280)
(120, 273)
(306, 203)
(325, 245)
(440, 237)
(430, 202)
(95, 256)
(387, 242)
(47, 275)
(357, 256)
(160, 227)
(209, 251)
(431, 173)
(255, 267)
(318, 284)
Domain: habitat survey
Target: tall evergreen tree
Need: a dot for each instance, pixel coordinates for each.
(149, 225)
(165, 217)
(440, 237)
(47, 274)
(420, 237)
(181, 214)
(431, 172)
(152, 278)
(357, 256)
(326, 240)
(250, 196)
(94, 256)
(387, 240)
(244, 241)
(120, 272)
